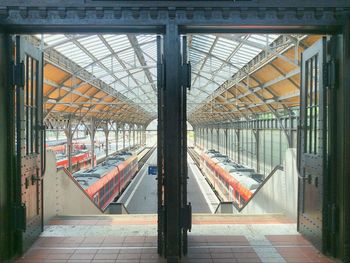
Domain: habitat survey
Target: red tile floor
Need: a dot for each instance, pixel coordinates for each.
(132, 239)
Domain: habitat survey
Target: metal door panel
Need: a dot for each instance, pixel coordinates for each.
(30, 136)
(312, 143)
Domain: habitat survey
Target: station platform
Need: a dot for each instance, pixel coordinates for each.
(132, 238)
(141, 195)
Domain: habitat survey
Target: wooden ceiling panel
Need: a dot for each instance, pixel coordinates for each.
(70, 98)
(54, 74)
(265, 74)
(83, 88)
(283, 87)
(311, 39)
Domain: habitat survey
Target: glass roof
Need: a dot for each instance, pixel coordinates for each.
(216, 58)
(127, 63)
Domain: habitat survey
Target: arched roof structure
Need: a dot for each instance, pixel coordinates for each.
(114, 77)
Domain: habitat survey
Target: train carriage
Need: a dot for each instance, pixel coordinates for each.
(233, 182)
(106, 181)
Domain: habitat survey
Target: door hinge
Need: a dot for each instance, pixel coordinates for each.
(187, 217)
(333, 218)
(18, 74)
(161, 74)
(186, 75)
(19, 212)
(330, 70)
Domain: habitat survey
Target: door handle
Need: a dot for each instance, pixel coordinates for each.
(35, 179)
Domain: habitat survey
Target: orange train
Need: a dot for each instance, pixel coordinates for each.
(106, 181)
(232, 181)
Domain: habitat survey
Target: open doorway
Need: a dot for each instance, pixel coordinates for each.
(246, 146)
(82, 106)
(261, 114)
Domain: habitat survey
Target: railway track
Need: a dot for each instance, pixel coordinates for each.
(145, 157)
(195, 157)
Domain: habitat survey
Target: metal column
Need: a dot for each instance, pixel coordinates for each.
(69, 135)
(225, 141)
(173, 115)
(106, 131)
(116, 136)
(92, 131)
(124, 136)
(129, 136)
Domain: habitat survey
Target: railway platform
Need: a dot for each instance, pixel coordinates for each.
(132, 238)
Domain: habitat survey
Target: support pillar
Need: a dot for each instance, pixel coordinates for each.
(257, 147)
(225, 141)
(92, 130)
(137, 135)
(116, 136)
(133, 135)
(207, 139)
(194, 137)
(124, 136)
(57, 133)
(144, 140)
(218, 138)
(106, 131)
(172, 144)
(129, 137)
(69, 135)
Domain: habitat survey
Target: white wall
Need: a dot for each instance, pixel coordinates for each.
(279, 194)
(62, 196)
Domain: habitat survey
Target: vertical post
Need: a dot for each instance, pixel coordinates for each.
(129, 137)
(69, 135)
(116, 136)
(239, 144)
(133, 135)
(195, 137)
(106, 131)
(92, 131)
(137, 135)
(207, 138)
(218, 138)
(172, 143)
(124, 136)
(225, 141)
(160, 154)
(257, 147)
(10, 196)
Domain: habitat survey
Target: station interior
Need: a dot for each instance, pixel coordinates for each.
(210, 144)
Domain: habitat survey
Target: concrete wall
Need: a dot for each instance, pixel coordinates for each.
(62, 196)
(279, 194)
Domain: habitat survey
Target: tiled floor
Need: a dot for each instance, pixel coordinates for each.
(120, 239)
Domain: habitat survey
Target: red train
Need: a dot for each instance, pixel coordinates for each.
(106, 181)
(60, 146)
(233, 182)
(80, 160)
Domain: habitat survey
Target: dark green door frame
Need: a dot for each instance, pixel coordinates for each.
(136, 16)
(8, 229)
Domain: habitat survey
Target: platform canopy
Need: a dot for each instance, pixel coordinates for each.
(114, 77)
